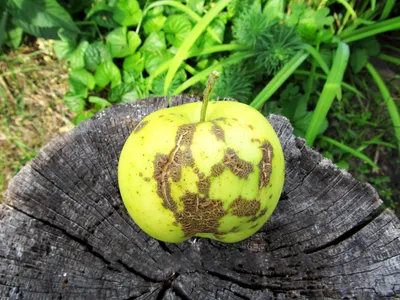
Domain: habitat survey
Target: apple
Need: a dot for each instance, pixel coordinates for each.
(213, 171)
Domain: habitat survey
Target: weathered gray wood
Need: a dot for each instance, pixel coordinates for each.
(65, 234)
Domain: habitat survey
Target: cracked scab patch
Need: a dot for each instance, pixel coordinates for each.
(140, 126)
(239, 167)
(244, 208)
(265, 164)
(218, 131)
(199, 214)
(204, 184)
(217, 169)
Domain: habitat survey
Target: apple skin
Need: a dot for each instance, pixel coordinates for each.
(219, 179)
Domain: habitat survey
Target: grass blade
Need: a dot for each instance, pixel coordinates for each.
(370, 30)
(317, 57)
(329, 91)
(322, 76)
(387, 9)
(182, 8)
(206, 72)
(393, 112)
(279, 79)
(350, 150)
(193, 36)
(213, 49)
(349, 9)
(392, 59)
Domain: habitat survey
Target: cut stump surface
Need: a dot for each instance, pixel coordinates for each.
(65, 233)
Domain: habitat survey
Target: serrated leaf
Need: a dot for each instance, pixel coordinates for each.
(107, 72)
(75, 103)
(80, 81)
(42, 14)
(358, 59)
(127, 12)
(154, 24)
(122, 43)
(177, 28)
(95, 55)
(76, 58)
(134, 64)
(43, 32)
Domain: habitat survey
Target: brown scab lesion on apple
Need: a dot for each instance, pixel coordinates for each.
(218, 131)
(244, 208)
(200, 213)
(239, 167)
(265, 164)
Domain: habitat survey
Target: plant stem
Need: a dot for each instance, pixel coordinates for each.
(207, 92)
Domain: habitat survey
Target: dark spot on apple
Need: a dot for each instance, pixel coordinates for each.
(260, 214)
(244, 208)
(147, 179)
(235, 119)
(140, 126)
(251, 127)
(265, 164)
(140, 174)
(254, 226)
(239, 167)
(218, 131)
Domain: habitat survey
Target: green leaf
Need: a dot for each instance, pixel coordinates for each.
(134, 64)
(154, 60)
(41, 13)
(197, 6)
(95, 55)
(14, 37)
(99, 103)
(77, 57)
(66, 45)
(274, 9)
(107, 72)
(75, 103)
(332, 85)
(371, 45)
(157, 87)
(177, 28)
(358, 59)
(154, 24)
(154, 43)
(80, 81)
(82, 116)
(102, 14)
(127, 12)
(122, 43)
(122, 93)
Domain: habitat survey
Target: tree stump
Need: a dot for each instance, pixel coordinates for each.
(65, 233)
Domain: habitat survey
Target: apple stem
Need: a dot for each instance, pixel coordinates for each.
(207, 93)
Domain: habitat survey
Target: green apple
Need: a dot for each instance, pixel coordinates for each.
(218, 176)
